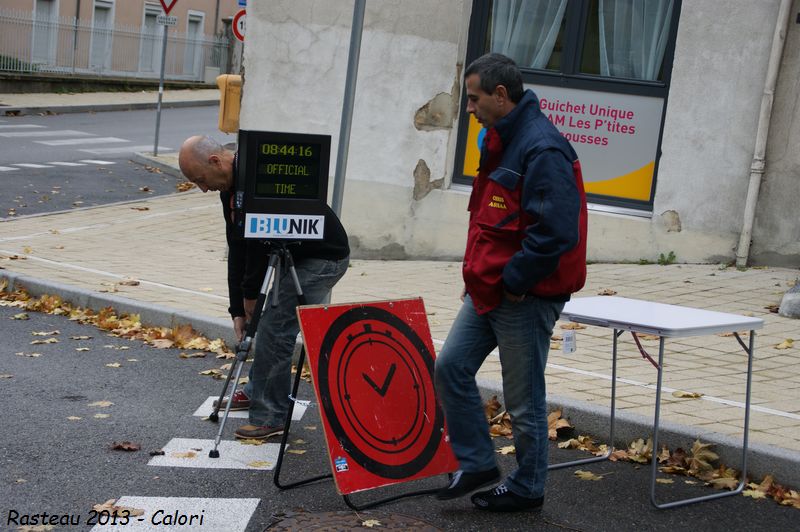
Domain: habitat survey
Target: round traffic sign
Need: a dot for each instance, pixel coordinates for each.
(239, 24)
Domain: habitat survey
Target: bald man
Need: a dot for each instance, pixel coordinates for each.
(319, 265)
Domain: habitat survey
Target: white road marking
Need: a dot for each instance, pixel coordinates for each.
(208, 407)
(96, 161)
(7, 169)
(59, 133)
(68, 142)
(189, 452)
(20, 126)
(126, 149)
(31, 165)
(66, 164)
(163, 514)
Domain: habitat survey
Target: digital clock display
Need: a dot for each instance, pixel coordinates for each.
(288, 170)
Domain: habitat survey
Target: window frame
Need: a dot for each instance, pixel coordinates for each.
(569, 76)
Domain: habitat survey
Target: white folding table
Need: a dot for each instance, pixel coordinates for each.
(667, 321)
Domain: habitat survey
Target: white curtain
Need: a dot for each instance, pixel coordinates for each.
(526, 30)
(633, 37)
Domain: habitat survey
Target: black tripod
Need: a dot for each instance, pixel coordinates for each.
(279, 254)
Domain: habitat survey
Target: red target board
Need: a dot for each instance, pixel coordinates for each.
(372, 366)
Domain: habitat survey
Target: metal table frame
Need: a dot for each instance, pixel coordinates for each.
(666, 321)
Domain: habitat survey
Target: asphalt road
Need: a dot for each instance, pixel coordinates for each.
(71, 161)
(52, 462)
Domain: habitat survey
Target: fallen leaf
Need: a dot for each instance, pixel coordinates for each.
(102, 416)
(786, 344)
(687, 395)
(587, 475)
(259, 464)
(162, 343)
(20, 481)
(184, 186)
(509, 449)
(114, 365)
(111, 509)
(701, 457)
(20, 316)
(129, 282)
(74, 418)
(29, 355)
(641, 451)
(188, 454)
(310, 427)
(665, 481)
(369, 523)
(125, 446)
(554, 423)
(607, 292)
(724, 483)
(296, 451)
(571, 326)
(80, 337)
(252, 442)
(46, 333)
(773, 308)
(192, 355)
(140, 208)
(754, 494)
(102, 404)
(144, 189)
(492, 407)
(81, 349)
(298, 441)
(159, 452)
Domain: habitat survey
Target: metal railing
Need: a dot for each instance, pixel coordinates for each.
(67, 45)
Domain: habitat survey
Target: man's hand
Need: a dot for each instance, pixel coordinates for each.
(512, 297)
(463, 293)
(239, 326)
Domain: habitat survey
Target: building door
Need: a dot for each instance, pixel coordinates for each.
(152, 35)
(102, 28)
(45, 29)
(193, 54)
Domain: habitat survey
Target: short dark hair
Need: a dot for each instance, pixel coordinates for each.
(497, 69)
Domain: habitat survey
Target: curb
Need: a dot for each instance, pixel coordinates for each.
(146, 159)
(63, 109)
(762, 459)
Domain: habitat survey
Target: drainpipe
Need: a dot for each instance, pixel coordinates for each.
(762, 133)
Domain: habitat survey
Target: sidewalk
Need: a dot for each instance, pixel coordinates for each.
(176, 249)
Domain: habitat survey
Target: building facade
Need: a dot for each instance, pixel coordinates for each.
(114, 37)
(662, 99)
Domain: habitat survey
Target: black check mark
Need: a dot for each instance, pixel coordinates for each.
(383, 389)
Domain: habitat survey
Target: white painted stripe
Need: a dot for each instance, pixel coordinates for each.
(664, 389)
(7, 169)
(189, 452)
(208, 407)
(218, 515)
(127, 149)
(69, 142)
(59, 133)
(96, 161)
(58, 163)
(113, 275)
(31, 165)
(20, 126)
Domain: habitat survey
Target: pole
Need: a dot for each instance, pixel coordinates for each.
(347, 106)
(160, 89)
(75, 35)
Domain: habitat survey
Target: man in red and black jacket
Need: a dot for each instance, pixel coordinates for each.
(319, 265)
(525, 256)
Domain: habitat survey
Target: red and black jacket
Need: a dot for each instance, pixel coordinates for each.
(528, 217)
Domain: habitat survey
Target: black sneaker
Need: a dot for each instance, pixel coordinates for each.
(463, 483)
(502, 499)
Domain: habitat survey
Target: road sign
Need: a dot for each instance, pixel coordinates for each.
(242, 3)
(239, 24)
(168, 5)
(164, 20)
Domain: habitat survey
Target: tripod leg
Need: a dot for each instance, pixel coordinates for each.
(241, 354)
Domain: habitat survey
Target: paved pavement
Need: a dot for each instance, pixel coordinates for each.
(174, 245)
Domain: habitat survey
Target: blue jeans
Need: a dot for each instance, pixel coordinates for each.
(522, 332)
(270, 380)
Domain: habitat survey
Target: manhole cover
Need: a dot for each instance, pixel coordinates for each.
(348, 521)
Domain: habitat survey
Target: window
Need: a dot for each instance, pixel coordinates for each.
(193, 51)
(601, 70)
(45, 26)
(102, 34)
(150, 44)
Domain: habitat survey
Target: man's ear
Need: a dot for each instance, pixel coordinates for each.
(214, 159)
(501, 93)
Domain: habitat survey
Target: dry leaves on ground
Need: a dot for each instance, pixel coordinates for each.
(786, 344)
(112, 509)
(125, 446)
(686, 395)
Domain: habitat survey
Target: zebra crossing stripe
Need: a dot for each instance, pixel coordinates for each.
(96, 161)
(208, 407)
(61, 133)
(20, 126)
(160, 514)
(69, 142)
(126, 149)
(7, 168)
(31, 165)
(189, 452)
(58, 163)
